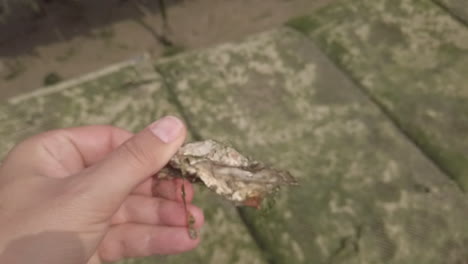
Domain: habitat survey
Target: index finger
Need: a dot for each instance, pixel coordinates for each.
(72, 149)
(95, 142)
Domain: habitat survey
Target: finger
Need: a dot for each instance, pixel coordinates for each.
(60, 153)
(172, 189)
(144, 188)
(134, 161)
(95, 142)
(168, 188)
(155, 211)
(134, 240)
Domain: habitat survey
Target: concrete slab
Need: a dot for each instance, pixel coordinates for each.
(411, 57)
(459, 8)
(129, 95)
(366, 195)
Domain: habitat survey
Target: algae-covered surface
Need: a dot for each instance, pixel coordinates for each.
(129, 95)
(365, 102)
(458, 8)
(366, 195)
(411, 57)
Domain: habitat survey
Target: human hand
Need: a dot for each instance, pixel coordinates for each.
(84, 195)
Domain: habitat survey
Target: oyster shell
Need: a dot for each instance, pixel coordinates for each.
(227, 172)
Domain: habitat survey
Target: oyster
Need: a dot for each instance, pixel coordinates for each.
(227, 172)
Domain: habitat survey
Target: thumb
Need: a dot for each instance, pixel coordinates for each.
(135, 160)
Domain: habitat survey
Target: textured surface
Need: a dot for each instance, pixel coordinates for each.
(130, 96)
(459, 8)
(367, 194)
(227, 172)
(412, 58)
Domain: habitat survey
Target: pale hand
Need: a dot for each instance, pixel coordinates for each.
(83, 195)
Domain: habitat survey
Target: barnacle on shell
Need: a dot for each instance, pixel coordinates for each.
(227, 172)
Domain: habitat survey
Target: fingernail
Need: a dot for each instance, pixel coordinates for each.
(167, 129)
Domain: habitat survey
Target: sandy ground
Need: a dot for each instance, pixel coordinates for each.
(72, 39)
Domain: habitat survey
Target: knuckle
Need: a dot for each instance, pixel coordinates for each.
(33, 145)
(49, 149)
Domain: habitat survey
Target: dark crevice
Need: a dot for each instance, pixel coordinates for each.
(393, 118)
(159, 37)
(255, 235)
(165, 18)
(406, 132)
(253, 232)
(447, 10)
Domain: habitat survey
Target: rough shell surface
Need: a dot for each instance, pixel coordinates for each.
(227, 172)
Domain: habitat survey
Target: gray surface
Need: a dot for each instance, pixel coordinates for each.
(130, 96)
(412, 58)
(366, 195)
(459, 8)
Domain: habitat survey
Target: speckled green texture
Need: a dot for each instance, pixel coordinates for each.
(130, 97)
(366, 194)
(412, 58)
